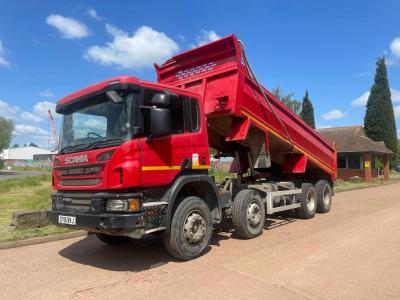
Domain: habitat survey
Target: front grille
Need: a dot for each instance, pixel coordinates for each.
(76, 171)
(76, 204)
(80, 182)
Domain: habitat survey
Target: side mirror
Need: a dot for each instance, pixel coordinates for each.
(160, 122)
(164, 99)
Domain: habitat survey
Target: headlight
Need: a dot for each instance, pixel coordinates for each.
(123, 205)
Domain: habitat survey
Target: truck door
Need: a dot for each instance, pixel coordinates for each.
(162, 158)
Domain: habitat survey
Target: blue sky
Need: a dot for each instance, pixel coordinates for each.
(49, 49)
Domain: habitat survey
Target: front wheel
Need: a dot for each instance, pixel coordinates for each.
(191, 229)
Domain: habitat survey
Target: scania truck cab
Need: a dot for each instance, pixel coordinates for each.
(134, 156)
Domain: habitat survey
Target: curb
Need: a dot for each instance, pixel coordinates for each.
(42, 239)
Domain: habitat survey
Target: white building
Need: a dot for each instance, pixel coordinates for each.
(26, 156)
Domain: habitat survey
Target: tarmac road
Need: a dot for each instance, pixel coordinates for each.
(351, 253)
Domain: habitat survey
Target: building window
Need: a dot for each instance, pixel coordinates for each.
(341, 161)
(354, 161)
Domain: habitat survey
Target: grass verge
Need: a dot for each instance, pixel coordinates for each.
(25, 193)
(348, 185)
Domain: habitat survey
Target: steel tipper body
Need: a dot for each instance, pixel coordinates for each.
(134, 155)
(233, 103)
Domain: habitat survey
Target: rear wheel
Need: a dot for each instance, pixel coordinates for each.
(112, 239)
(191, 229)
(308, 201)
(324, 196)
(248, 214)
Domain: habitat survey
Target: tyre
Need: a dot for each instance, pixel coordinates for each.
(308, 201)
(191, 229)
(248, 214)
(324, 196)
(113, 239)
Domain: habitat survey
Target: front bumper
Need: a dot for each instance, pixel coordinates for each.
(93, 218)
(115, 224)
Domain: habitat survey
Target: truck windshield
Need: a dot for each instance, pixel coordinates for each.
(102, 124)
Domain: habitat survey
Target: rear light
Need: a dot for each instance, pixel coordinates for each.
(123, 205)
(105, 156)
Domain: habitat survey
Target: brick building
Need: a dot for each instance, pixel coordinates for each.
(356, 152)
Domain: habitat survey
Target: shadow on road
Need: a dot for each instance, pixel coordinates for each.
(279, 220)
(143, 254)
(136, 256)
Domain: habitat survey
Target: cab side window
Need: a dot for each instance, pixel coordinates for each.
(177, 119)
(194, 115)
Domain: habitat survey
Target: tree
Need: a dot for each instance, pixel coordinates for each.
(307, 111)
(6, 130)
(293, 104)
(379, 121)
(32, 144)
(15, 146)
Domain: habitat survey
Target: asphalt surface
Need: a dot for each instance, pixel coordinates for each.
(351, 253)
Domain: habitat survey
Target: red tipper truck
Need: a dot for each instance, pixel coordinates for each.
(134, 155)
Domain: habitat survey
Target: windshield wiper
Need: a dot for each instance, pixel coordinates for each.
(73, 148)
(104, 143)
(93, 145)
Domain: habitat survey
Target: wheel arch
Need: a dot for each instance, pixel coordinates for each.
(201, 186)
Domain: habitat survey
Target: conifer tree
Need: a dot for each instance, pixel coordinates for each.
(379, 121)
(307, 111)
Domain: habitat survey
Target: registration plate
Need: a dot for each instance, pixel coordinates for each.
(67, 220)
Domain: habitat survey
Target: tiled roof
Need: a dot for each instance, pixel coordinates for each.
(352, 139)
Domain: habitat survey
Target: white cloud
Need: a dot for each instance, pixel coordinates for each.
(3, 61)
(23, 129)
(397, 111)
(395, 95)
(395, 47)
(323, 126)
(181, 37)
(93, 13)
(8, 111)
(26, 123)
(334, 114)
(27, 116)
(70, 28)
(41, 109)
(362, 100)
(95, 123)
(46, 93)
(145, 47)
(206, 37)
